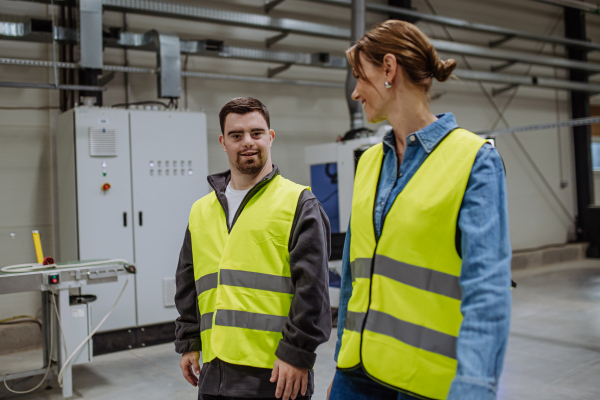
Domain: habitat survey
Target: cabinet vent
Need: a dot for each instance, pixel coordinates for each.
(169, 292)
(103, 142)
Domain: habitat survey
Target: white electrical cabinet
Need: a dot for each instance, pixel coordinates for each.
(126, 182)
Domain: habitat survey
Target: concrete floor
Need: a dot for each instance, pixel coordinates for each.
(553, 353)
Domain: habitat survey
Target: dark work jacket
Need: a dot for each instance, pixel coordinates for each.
(309, 320)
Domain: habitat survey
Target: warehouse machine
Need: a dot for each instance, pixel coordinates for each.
(332, 169)
(67, 326)
(127, 179)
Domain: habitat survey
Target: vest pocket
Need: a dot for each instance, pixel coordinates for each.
(273, 256)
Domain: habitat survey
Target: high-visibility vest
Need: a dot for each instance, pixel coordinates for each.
(243, 279)
(404, 314)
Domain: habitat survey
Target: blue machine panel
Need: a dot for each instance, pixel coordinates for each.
(324, 184)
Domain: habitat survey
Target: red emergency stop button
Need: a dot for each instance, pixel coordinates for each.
(106, 186)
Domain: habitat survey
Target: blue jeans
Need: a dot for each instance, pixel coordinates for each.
(355, 385)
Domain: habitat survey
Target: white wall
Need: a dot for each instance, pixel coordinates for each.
(301, 116)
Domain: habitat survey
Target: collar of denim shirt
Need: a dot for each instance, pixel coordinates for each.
(429, 137)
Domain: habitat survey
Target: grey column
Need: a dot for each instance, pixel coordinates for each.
(357, 31)
(580, 107)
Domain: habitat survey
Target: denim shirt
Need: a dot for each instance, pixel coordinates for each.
(486, 257)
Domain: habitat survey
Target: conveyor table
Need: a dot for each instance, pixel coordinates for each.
(61, 281)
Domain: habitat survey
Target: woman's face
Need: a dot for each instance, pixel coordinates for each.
(371, 92)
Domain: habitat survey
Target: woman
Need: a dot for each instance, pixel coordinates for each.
(425, 304)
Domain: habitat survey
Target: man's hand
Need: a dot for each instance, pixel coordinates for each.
(188, 361)
(289, 380)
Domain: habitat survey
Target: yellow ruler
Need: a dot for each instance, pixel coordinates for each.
(38, 247)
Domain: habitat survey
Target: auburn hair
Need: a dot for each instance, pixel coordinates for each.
(409, 45)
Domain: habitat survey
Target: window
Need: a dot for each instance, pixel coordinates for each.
(596, 156)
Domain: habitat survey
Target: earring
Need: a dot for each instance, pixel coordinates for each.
(387, 85)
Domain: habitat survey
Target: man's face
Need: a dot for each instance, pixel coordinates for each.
(247, 141)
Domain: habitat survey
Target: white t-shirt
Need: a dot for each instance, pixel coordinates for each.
(234, 199)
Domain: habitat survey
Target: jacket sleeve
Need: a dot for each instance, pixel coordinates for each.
(309, 320)
(187, 327)
(485, 281)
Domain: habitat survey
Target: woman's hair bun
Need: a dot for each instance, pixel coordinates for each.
(443, 69)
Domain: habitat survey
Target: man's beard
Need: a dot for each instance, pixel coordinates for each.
(250, 167)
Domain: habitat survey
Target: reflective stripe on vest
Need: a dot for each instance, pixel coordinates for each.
(243, 279)
(404, 314)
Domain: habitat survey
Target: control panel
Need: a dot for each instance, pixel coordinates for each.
(53, 279)
(171, 168)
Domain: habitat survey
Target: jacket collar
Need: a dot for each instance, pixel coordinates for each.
(428, 137)
(220, 181)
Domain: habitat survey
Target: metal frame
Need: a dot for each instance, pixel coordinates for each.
(271, 4)
(535, 81)
(575, 27)
(11, 377)
(127, 39)
(540, 127)
(358, 30)
(70, 278)
(206, 14)
(31, 85)
(462, 24)
(141, 42)
(321, 59)
(257, 79)
(512, 56)
(576, 4)
(466, 75)
(198, 13)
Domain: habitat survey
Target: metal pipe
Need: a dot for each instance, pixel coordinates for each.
(182, 11)
(168, 62)
(357, 32)
(546, 83)
(140, 42)
(578, 5)
(509, 55)
(466, 75)
(30, 85)
(462, 24)
(90, 34)
(540, 127)
(198, 13)
(126, 62)
(258, 79)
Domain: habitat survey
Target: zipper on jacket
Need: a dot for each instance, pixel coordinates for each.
(247, 199)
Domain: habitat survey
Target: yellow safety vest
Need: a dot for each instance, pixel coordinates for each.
(243, 279)
(404, 314)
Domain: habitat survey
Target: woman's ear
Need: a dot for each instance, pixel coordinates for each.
(390, 67)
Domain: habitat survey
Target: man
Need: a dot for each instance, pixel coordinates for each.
(252, 279)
